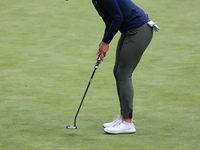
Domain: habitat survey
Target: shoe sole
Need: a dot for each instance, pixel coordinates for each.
(124, 132)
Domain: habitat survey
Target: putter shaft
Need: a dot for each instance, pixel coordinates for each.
(95, 68)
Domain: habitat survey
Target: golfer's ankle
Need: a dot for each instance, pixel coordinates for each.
(128, 120)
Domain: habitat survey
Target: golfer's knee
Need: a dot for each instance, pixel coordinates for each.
(115, 72)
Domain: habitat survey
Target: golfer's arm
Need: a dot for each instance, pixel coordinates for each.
(117, 18)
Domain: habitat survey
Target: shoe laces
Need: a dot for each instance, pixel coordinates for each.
(116, 125)
(117, 118)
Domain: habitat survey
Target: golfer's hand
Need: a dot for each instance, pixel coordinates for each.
(103, 48)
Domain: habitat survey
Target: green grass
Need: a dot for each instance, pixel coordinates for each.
(47, 55)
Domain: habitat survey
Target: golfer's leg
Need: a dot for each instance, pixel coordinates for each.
(130, 55)
(118, 50)
(124, 82)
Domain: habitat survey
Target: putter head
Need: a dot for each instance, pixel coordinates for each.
(71, 127)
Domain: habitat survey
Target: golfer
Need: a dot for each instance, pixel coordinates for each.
(136, 34)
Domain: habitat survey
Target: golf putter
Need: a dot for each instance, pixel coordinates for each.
(95, 68)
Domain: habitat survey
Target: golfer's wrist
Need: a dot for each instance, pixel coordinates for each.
(104, 43)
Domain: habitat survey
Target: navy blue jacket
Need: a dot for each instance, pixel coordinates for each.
(121, 15)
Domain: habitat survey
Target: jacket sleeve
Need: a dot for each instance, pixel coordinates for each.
(111, 6)
(107, 26)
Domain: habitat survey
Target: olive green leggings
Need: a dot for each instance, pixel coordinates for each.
(129, 51)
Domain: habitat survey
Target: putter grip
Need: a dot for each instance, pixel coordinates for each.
(98, 61)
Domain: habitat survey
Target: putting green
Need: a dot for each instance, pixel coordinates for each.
(47, 55)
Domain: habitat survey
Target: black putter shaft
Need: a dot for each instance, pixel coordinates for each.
(95, 68)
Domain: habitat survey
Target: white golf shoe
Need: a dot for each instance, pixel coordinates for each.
(121, 127)
(115, 121)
